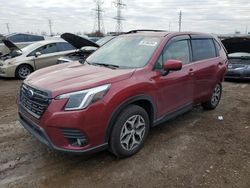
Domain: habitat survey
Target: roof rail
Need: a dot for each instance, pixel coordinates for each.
(142, 30)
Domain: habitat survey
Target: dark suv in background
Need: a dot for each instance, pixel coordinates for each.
(134, 82)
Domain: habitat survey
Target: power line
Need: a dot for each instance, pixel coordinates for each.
(98, 26)
(119, 5)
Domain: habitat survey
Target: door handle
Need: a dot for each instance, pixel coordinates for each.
(220, 63)
(191, 71)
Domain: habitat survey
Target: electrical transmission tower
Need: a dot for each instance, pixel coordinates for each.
(180, 20)
(119, 5)
(98, 26)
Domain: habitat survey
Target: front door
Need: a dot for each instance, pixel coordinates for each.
(48, 56)
(175, 90)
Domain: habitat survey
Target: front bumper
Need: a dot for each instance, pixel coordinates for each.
(39, 133)
(7, 71)
(56, 127)
(238, 74)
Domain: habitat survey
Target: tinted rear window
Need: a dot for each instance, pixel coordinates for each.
(203, 49)
(25, 38)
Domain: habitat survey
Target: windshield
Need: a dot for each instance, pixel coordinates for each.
(126, 51)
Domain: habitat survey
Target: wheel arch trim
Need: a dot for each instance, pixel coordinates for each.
(123, 105)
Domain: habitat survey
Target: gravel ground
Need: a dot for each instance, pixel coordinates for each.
(193, 150)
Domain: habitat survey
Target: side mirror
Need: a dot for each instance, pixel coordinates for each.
(171, 65)
(88, 49)
(38, 54)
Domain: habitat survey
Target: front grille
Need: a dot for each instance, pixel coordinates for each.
(232, 74)
(33, 100)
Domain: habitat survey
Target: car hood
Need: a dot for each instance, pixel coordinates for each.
(64, 78)
(78, 42)
(237, 44)
(10, 45)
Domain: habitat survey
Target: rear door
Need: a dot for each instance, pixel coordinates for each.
(205, 60)
(175, 90)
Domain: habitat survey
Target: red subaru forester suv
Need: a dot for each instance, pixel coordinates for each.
(134, 82)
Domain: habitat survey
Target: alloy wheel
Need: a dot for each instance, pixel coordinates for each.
(216, 95)
(23, 72)
(132, 132)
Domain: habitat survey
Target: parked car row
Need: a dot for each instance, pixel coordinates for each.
(20, 62)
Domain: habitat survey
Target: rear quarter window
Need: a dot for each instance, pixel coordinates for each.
(203, 49)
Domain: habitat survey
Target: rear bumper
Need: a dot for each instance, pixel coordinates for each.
(38, 132)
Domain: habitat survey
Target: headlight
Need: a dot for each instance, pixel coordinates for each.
(82, 99)
(11, 62)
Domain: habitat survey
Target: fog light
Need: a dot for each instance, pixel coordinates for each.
(81, 142)
(75, 137)
(3, 70)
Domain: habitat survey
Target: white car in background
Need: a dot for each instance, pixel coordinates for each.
(20, 62)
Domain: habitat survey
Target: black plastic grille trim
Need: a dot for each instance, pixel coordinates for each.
(35, 105)
(73, 133)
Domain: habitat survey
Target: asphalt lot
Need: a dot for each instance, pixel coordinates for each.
(193, 150)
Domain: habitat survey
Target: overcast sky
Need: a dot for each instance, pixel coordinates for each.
(213, 16)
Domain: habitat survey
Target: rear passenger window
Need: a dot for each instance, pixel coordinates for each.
(203, 49)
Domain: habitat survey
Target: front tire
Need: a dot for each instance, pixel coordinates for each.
(129, 132)
(23, 71)
(215, 98)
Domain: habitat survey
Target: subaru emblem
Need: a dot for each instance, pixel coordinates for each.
(30, 93)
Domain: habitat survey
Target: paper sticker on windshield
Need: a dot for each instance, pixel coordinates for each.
(147, 43)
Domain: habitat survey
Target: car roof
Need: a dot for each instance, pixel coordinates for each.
(12, 34)
(50, 41)
(166, 33)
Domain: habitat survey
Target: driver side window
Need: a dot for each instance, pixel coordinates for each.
(46, 49)
(178, 50)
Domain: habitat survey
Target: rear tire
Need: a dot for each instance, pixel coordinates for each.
(129, 131)
(215, 98)
(23, 71)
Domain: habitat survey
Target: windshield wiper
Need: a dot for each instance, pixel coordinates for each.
(105, 65)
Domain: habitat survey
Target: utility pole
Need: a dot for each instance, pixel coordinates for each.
(8, 28)
(50, 27)
(98, 26)
(119, 5)
(180, 20)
